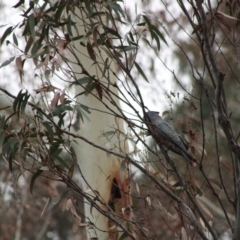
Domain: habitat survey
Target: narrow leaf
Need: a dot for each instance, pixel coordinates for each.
(19, 4)
(7, 62)
(91, 51)
(31, 24)
(19, 66)
(71, 171)
(107, 134)
(141, 71)
(34, 177)
(49, 129)
(29, 44)
(85, 108)
(99, 91)
(15, 39)
(84, 80)
(2, 136)
(5, 34)
(16, 101)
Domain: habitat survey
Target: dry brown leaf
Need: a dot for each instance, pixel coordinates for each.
(226, 20)
(63, 204)
(61, 44)
(91, 208)
(56, 63)
(55, 100)
(192, 106)
(19, 66)
(226, 165)
(198, 147)
(62, 97)
(215, 182)
(99, 91)
(141, 30)
(76, 223)
(91, 51)
(73, 210)
(46, 88)
(204, 208)
(197, 28)
(69, 204)
(70, 171)
(43, 63)
(202, 224)
(148, 199)
(45, 207)
(138, 189)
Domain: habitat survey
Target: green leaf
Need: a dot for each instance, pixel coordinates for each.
(154, 35)
(20, 101)
(81, 114)
(84, 80)
(89, 7)
(49, 128)
(73, 153)
(2, 121)
(141, 71)
(70, 23)
(19, 4)
(85, 108)
(2, 137)
(34, 177)
(7, 62)
(107, 134)
(24, 149)
(36, 46)
(31, 24)
(106, 66)
(3, 25)
(127, 48)
(77, 38)
(15, 39)
(62, 161)
(5, 34)
(91, 86)
(26, 96)
(29, 44)
(155, 29)
(148, 22)
(112, 31)
(9, 149)
(117, 8)
(58, 13)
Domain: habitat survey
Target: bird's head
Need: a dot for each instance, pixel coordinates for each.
(152, 115)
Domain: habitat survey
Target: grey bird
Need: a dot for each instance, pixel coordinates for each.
(164, 134)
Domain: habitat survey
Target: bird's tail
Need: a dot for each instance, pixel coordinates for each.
(188, 157)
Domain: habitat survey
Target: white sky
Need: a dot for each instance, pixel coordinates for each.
(154, 94)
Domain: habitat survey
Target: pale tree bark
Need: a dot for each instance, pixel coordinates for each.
(101, 172)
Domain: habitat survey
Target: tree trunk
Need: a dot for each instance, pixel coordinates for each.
(101, 172)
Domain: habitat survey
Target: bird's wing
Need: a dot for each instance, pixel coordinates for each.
(166, 130)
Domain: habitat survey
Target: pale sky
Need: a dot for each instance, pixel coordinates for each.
(154, 94)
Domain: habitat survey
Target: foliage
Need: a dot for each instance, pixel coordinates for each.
(199, 201)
